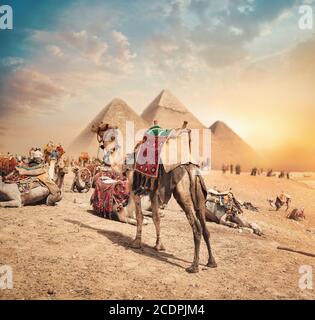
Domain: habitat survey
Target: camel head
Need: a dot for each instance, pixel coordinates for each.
(75, 170)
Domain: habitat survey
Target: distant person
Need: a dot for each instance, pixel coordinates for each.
(60, 150)
(37, 157)
(254, 172)
(238, 169)
(231, 168)
(288, 175)
(281, 175)
(224, 168)
(270, 173)
(31, 153)
(54, 154)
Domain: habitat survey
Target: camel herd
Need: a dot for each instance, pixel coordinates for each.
(183, 183)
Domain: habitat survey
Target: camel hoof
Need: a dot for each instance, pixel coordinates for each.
(212, 264)
(159, 247)
(135, 244)
(192, 269)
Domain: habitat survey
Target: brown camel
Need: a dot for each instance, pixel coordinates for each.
(61, 169)
(189, 190)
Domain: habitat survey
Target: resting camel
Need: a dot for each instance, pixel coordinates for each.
(296, 214)
(36, 190)
(217, 214)
(61, 169)
(11, 196)
(127, 213)
(82, 180)
(85, 177)
(188, 188)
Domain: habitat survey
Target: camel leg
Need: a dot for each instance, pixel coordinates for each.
(11, 194)
(183, 198)
(53, 199)
(201, 214)
(11, 204)
(139, 216)
(73, 186)
(156, 219)
(125, 218)
(230, 224)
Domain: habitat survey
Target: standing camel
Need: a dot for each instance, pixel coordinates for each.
(188, 189)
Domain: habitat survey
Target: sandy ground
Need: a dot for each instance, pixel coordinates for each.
(66, 252)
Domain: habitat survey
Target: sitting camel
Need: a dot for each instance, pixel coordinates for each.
(12, 196)
(216, 213)
(29, 186)
(111, 199)
(296, 214)
(61, 169)
(82, 180)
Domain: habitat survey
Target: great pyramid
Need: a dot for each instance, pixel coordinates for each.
(229, 148)
(170, 112)
(116, 113)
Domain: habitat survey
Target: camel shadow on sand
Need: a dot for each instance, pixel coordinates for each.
(125, 241)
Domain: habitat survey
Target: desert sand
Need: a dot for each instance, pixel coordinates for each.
(66, 252)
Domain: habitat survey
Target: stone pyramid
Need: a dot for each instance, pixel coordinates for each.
(116, 113)
(229, 148)
(170, 112)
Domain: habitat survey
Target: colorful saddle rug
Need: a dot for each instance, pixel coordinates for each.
(149, 154)
(27, 182)
(31, 171)
(110, 196)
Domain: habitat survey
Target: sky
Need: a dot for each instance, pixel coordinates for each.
(244, 62)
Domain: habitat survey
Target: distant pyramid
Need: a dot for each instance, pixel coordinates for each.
(170, 112)
(116, 113)
(229, 148)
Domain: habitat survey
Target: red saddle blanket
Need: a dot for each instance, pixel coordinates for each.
(149, 154)
(109, 196)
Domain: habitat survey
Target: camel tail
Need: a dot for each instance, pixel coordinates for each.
(196, 182)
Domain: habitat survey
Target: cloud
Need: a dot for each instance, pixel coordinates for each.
(76, 63)
(216, 32)
(54, 50)
(26, 91)
(122, 47)
(87, 45)
(109, 51)
(12, 61)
